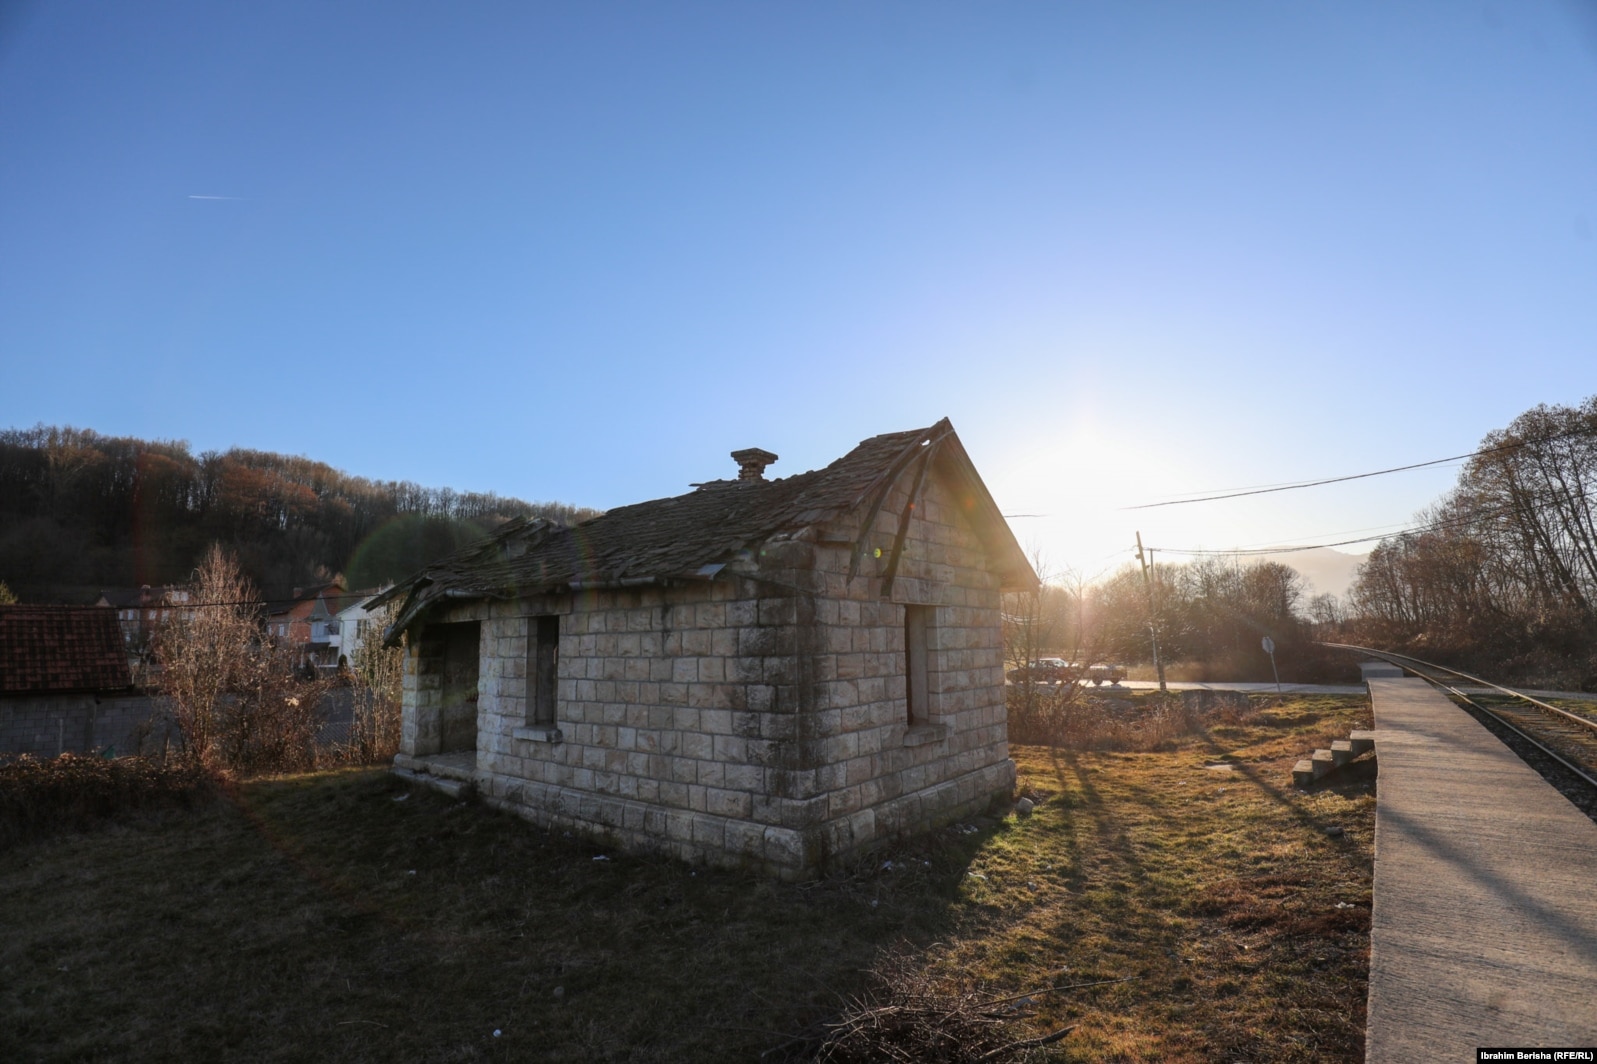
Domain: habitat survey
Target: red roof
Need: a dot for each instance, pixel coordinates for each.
(50, 649)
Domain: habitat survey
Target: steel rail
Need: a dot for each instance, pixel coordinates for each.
(1388, 656)
(1584, 722)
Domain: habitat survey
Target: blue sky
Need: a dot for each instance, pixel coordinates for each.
(582, 251)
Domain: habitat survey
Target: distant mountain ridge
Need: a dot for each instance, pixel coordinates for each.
(1327, 571)
(80, 511)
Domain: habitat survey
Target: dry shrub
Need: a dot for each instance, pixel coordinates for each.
(73, 793)
(235, 695)
(374, 732)
(269, 724)
(378, 672)
(1071, 717)
(907, 1016)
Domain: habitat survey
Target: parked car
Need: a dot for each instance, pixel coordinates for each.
(1045, 670)
(1100, 674)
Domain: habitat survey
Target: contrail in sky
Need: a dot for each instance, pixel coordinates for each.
(192, 196)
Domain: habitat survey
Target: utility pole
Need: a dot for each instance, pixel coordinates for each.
(1153, 611)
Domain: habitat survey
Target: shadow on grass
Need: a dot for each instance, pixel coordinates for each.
(1279, 795)
(354, 918)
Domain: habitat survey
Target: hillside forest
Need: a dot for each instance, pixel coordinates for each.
(80, 512)
(1498, 577)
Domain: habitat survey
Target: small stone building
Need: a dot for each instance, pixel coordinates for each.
(760, 673)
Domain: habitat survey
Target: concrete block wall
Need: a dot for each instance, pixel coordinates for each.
(47, 725)
(881, 775)
(678, 723)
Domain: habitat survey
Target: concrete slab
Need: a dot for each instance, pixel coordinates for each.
(1484, 924)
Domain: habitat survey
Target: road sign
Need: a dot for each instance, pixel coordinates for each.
(1269, 648)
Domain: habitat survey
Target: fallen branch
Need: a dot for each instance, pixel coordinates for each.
(1049, 990)
(1026, 1043)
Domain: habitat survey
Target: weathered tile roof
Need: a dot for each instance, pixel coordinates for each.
(686, 536)
(58, 649)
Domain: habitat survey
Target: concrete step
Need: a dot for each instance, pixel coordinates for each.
(1322, 762)
(453, 788)
(461, 765)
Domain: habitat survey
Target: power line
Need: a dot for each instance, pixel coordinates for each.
(1474, 517)
(1362, 476)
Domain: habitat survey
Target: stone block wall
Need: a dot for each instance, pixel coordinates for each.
(422, 688)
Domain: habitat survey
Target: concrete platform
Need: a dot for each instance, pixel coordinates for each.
(1250, 688)
(1484, 926)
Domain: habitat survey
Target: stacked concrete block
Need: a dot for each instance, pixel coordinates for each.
(758, 719)
(47, 725)
(1323, 762)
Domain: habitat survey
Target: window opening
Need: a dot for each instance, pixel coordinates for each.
(916, 619)
(543, 659)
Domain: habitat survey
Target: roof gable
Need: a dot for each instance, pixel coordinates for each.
(689, 537)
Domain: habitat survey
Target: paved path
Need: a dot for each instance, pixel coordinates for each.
(1484, 928)
(1251, 688)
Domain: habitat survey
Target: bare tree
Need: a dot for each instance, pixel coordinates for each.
(1326, 611)
(1027, 631)
(1503, 574)
(1052, 619)
(204, 650)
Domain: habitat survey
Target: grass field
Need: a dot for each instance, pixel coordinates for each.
(341, 916)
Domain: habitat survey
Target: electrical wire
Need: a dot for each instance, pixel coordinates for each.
(1435, 526)
(1362, 476)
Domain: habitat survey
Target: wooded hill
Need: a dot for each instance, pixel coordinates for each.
(80, 511)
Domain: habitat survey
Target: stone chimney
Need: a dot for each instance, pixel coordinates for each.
(752, 462)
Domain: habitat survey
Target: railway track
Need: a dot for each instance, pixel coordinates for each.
(1558, 743)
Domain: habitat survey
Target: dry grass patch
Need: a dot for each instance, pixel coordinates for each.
(1201, 877)
(342, 916)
